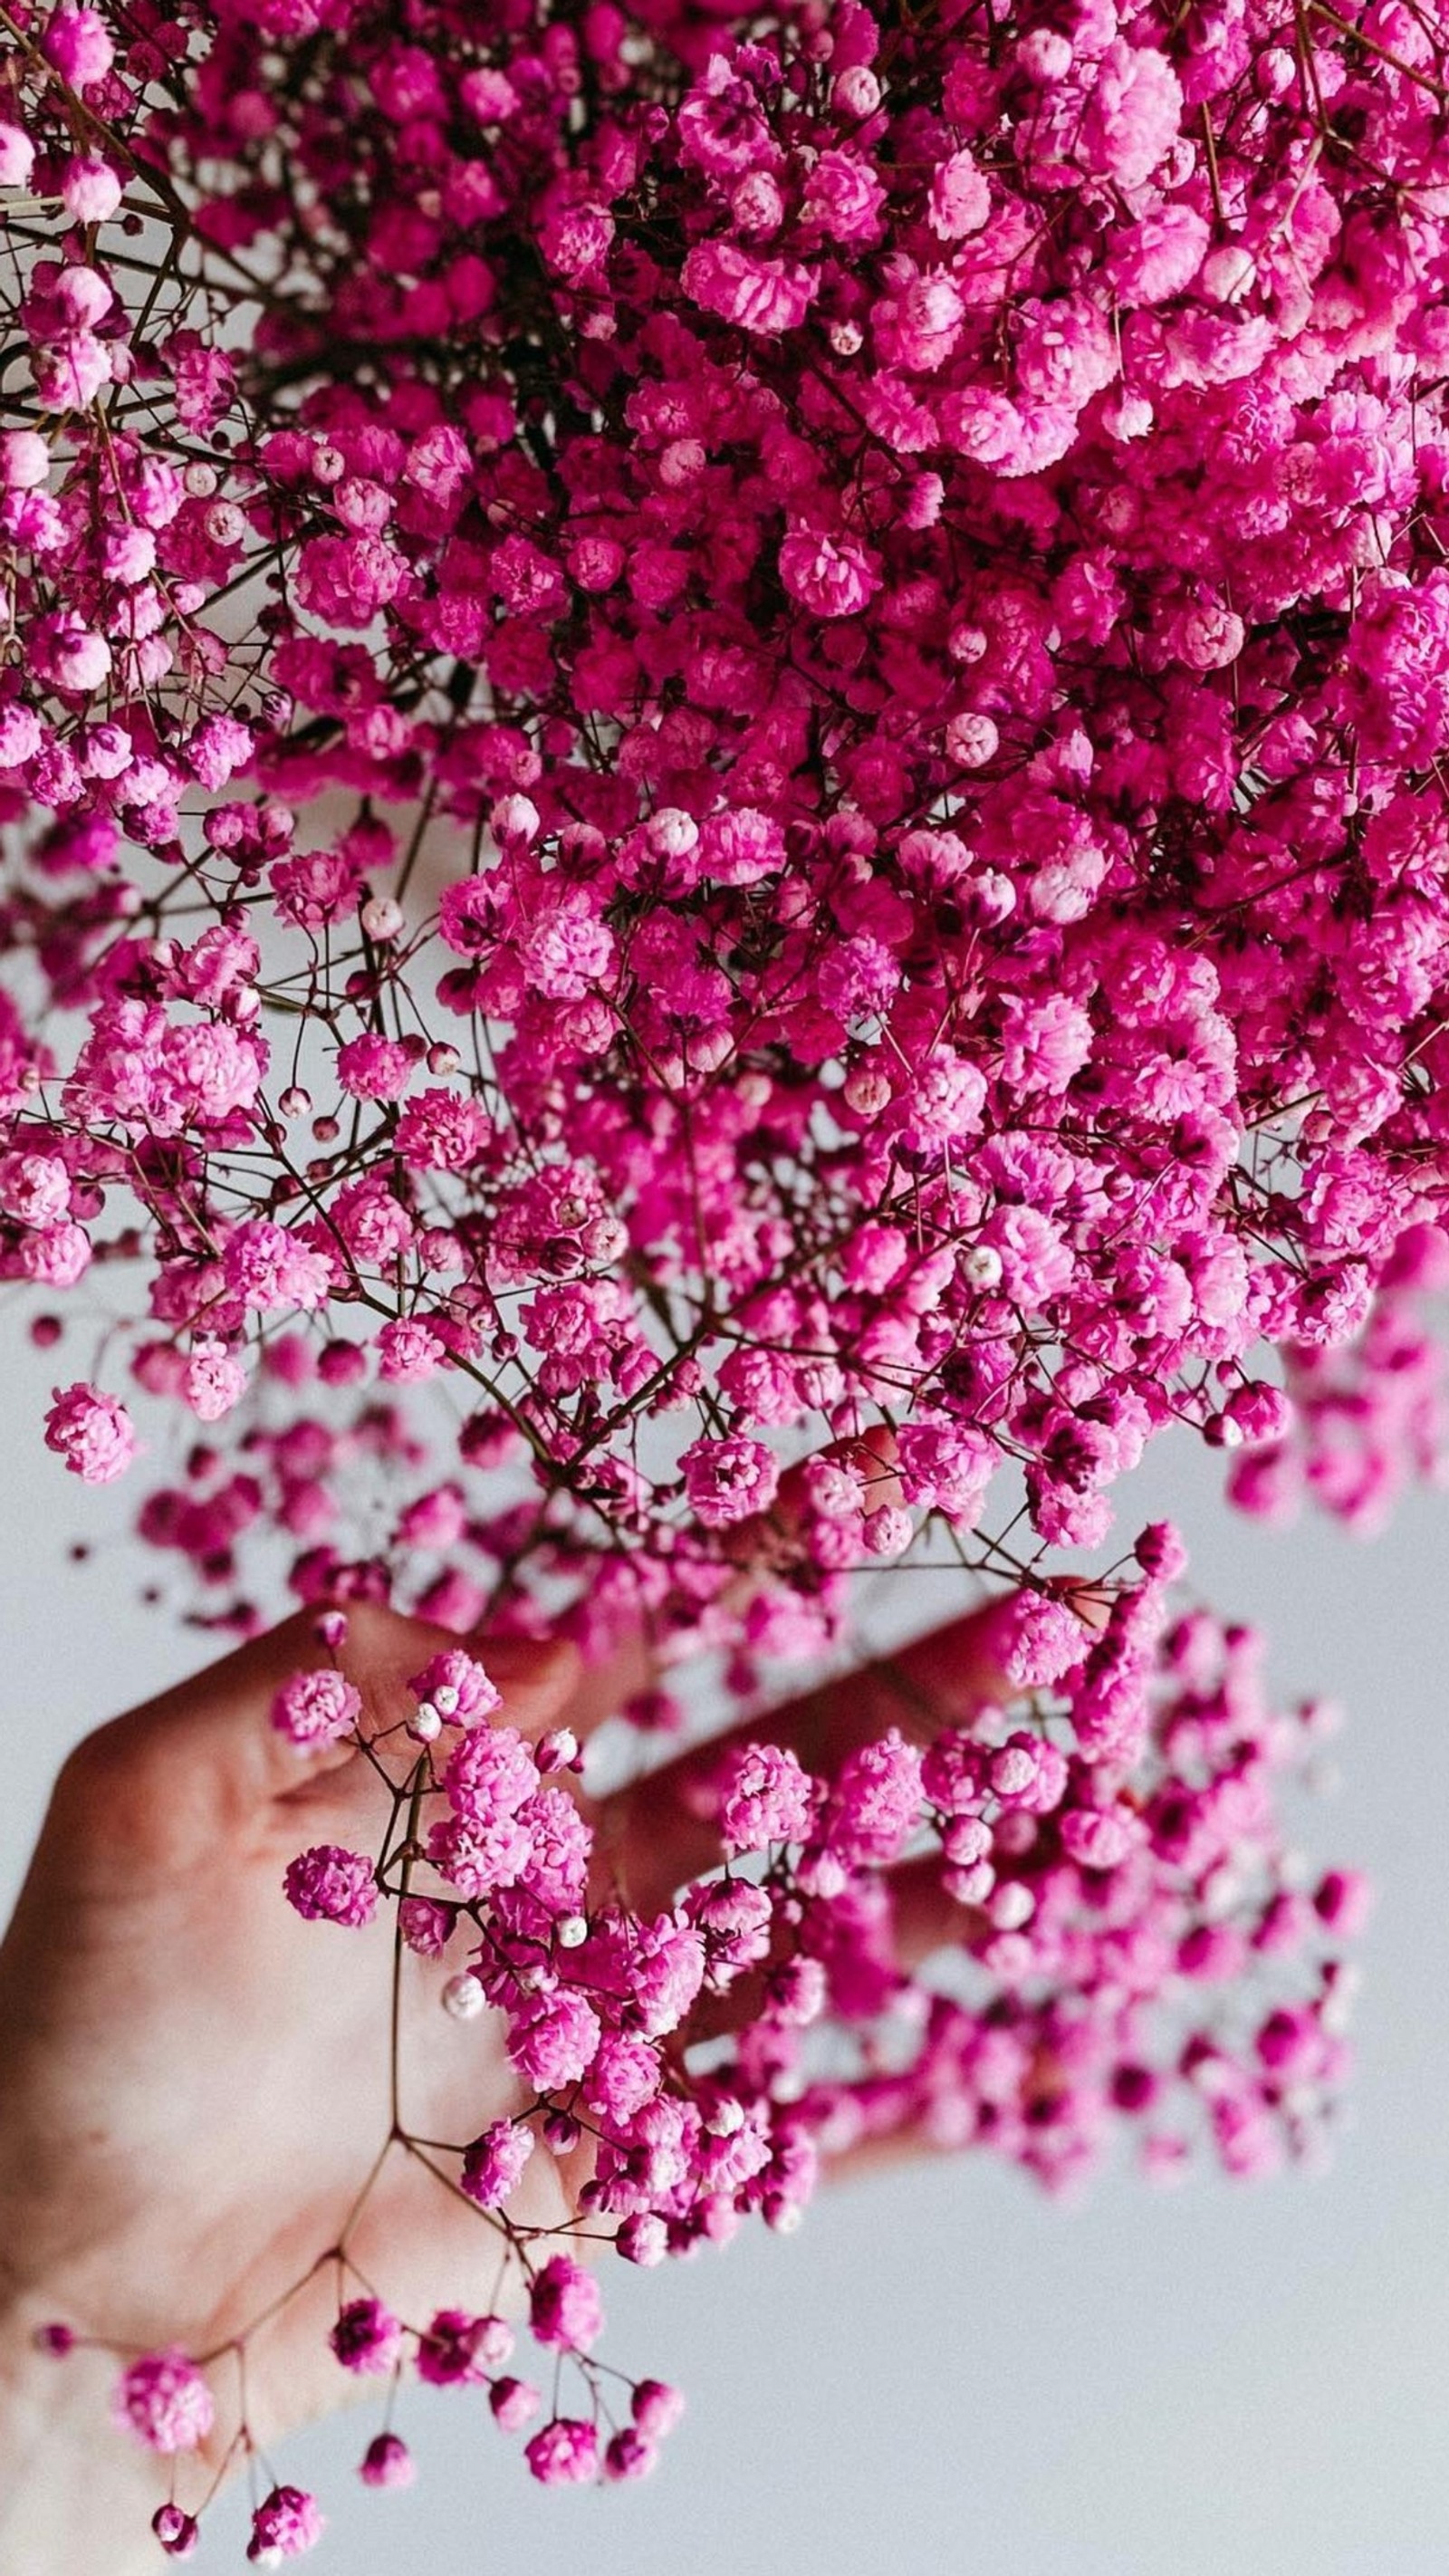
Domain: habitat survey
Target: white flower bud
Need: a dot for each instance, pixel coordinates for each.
(381, 917)
(981, 1266)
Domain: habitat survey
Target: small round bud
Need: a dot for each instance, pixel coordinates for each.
(426, 1726)
(572, 1931)
(1011, 1906)
(867, 1091)
(387, 2462)
(981, 1267)
(558, 1751)
(643, 2239)
(515, 818)
(179, 2533)
(463, 1997)
(382, 918)
(856, 91)
(656, 2407)
(295, 1102)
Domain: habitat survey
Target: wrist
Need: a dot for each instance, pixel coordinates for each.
(74, 2492)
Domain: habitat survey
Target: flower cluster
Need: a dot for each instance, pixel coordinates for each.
(1031, 1930)
(722, 749)
(733, 731)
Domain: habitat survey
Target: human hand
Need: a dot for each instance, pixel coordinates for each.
(198, 2119)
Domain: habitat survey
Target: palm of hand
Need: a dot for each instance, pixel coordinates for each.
(152, 1936)
(197, 2105)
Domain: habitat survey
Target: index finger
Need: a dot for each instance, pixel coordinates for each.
(661, 1831)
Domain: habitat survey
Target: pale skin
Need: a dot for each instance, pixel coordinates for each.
(195, 2084)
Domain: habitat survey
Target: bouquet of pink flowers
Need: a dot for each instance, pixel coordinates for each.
(725, 733)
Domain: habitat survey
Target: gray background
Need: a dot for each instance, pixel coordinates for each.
(943, 2369)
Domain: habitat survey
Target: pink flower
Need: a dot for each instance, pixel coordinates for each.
(760, 294)
(960, 197)
(627, 2454)
(348, 579)
(387, 2462)
(449, 2352)
(833, 576)
(286, 2524)
(768, 1799)
(90, 190)
(876, 1802)
(564, 2453)
(79, 44)
(1040, 1640)
(564, 2306)
(214, 1380)
(163, 2399)
(34, 1188)
(442, 1131)
(493, 2165)
(566, 949)
(316, 1708)
(514, 2402)
(179, 2533)
(91, 1432)
(1133, 112)
(268, 1266)
(374, 1068)
(729, 1480)
(656, 2407)
(367, 2337)
(330, 1885)
(843, 198)
(552, 2039)
(426, 1926)
(458, 1687)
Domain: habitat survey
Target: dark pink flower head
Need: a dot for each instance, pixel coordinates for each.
(565, 2308)
(729, 1480)
(92, 1432)
(330, 1885)
(316, 1708)
(286, 2524)
(564, 2453)
(164, 2400)
(387, 2462)
(367, 2337)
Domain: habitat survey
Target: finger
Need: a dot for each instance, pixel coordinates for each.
(535, 1678)
(205, 1758)
(923, 1919)
(771, 1540)
(661, 1831)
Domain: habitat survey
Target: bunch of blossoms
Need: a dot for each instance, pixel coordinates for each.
(721, 735)
(1131, 1945)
